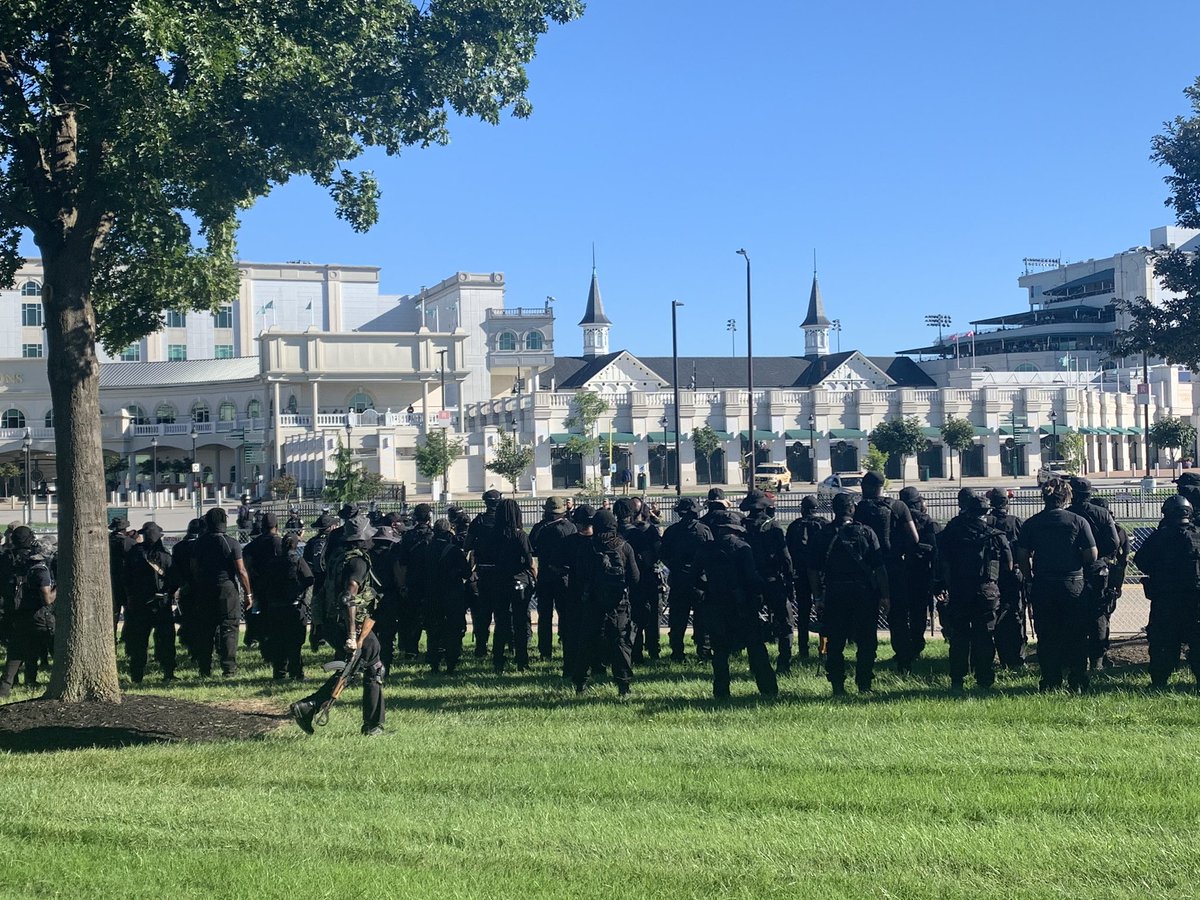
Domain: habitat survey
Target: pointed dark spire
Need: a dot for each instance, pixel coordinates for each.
(594, 314)
(816, 308)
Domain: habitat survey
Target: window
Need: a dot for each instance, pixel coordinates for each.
(31, 289)
(534, 341)
(1026, 367)
(254, 409)
(165, 414)
(12, 418)
(31, 351)
(50, 418)
(200, 412)
(132, 353)
(176, 352)
(176, 319)
(138, 415)
(361, 402)
(31, 315)
(507, 341)
(223, 351)
(223, 317)
(227, 411)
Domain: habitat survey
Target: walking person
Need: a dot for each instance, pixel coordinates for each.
(149, 608)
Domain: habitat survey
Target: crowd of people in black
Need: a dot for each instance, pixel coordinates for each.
(372, 586)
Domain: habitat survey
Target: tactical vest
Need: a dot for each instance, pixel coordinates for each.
(330, 610)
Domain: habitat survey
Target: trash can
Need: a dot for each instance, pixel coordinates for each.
(641, 481)
(924, 473)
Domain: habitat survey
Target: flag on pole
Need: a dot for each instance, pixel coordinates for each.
(269, 305)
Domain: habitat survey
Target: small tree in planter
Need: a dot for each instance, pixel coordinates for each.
(959, 435)
(283, 486)
(510, 460)
(898, 436)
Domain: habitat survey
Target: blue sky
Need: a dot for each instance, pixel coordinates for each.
(922, 149)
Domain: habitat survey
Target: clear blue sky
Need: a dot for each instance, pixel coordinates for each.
(923, 149)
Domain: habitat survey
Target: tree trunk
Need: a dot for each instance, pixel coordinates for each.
(85, 660)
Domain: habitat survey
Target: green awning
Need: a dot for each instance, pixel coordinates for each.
(1136, 429)
(1049, 428)
(982, 431)
(661, 437)
(930, 432)
(723, 435)
(846, 433)
(618, 437)
(1085, 429)
(801, 434)
(759, 435)
(562, 438)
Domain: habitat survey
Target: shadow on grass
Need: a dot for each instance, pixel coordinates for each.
(53, 738)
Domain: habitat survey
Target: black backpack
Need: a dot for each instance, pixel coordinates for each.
(609, 583)
(976, 559)
(314, 554)
(844, 557)
(877, 514)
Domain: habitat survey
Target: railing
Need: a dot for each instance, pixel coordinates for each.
(17, 434)
(518, 311)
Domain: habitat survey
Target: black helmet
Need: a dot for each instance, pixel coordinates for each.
(1177, 507)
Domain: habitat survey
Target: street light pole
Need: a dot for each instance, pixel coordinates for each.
(1054, 436)
(195, 471)
(749, 365)
(442, 374)
(675, 304)
(731, 327)
(27, 445)
(154, 476)
(812, 450)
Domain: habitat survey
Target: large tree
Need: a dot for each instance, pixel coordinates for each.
(1169, 328)
(131, 134)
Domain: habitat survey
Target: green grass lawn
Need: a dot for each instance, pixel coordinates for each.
(511, 787)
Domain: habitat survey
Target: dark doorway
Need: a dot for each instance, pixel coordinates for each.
(662, 463)
(843, 457)
(711, 470)
(933, 459)
(972, 462)
(566, 470)
(1012, 459)
(799, 462)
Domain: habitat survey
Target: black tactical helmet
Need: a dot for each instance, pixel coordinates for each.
(1177, 507)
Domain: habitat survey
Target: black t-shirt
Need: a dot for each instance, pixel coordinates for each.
(356, 570)
(215, 560)
(1055, 538)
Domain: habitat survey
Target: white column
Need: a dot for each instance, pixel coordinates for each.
(277, 438)
(316, 403)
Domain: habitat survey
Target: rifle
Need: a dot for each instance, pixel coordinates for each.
(348, 671)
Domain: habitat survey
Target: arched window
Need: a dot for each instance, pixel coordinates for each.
(49, 418)
(506, 341)
(31, 289)
(1026, 367)
(361, 402)
(200, 412)
(164, 414)
(227, 411)
(254, 409)
(291, 406)
(534, 341)
(137, 414)
(12, 418)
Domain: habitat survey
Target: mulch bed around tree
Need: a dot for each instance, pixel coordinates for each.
(43, 726)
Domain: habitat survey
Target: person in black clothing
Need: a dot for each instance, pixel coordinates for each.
(546, 538)
(446, 571)
(1188, 487)
(973, 558)
(774, 564)
(1056, 545)
(1010, 622)
(148, 606)
(854, 575)
(294, 524)
(576, 558)
(119, 545)
(605, 574)
(217, 570)
(506, 551)
(484, 598)
(316, 558)
(801, 538)
(259, 557)
(717, 508)
(920, 566)
(180, 578)
(1170, 560)
(413, 589)
(893, 526)
(733, 605)
(244, 519)
(289, 614)
(388, 604)
(683, 545)
(459, 523)
(1095, 576)
(342, 612)
(645, 600)
(27, 583)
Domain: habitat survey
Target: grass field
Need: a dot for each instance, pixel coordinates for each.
(509, 786)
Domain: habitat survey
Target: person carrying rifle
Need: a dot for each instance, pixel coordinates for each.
(345, 615)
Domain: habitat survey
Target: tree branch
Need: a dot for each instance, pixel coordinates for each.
(25, 142)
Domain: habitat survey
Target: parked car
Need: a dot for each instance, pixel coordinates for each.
(839, 483)
(773, 477)
(1057, 469)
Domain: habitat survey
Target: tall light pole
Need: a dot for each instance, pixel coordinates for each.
(675, 304)
(195, 470)
(812, 450)
(27, 445)
(836, 325)
(938, 321)
(1054, 438)
(154, 476)
(442, 374)
(516, 447)
(731, 327)
(749, 364)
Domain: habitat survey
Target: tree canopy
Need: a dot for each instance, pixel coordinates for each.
(132, 132)
(510, 459)
(1173, 434)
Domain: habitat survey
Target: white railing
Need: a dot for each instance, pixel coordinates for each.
(292, 420)
(883, 397)
(966, 396)
(930, 397)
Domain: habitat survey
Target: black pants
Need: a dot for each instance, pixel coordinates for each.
(907, 616)
(1063, 620)
(26, 645)
(605, 636)
(550, 589)
(409, 624)
(221, 611)
(646, 609)
(371, 669)
(482, 601)
(512, 626)
(1010, 633)
(783, 622)
(385, 630)
(570, 629)
(288, 626)
(804, 605)
(851, 614)
(686, 601)
(446, 620)
(143, 619)
(724, 641)
(1173, 622)
(972, 636)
